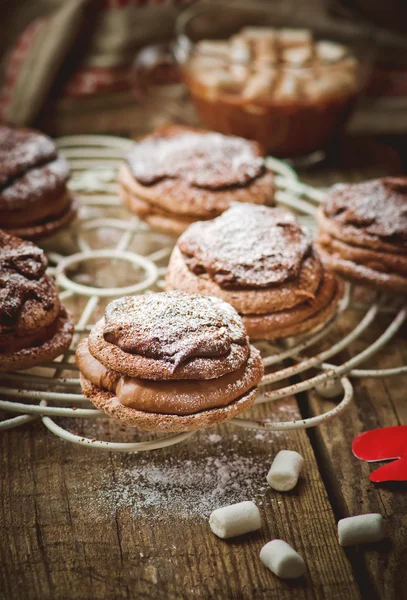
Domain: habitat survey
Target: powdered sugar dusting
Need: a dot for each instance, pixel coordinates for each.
(377, 207)
(247, 246)
(20, 150)
(173, 326)
(193, 485)
(205, 160)
(34, 184)
(22, 278)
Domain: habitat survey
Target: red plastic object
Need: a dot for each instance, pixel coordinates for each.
(393, 471)
(388, 443)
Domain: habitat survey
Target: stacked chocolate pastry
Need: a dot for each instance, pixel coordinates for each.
(263, 263)
(34, 326)
(34, 199)
(169, 362)
(179, 175)
(363, 232)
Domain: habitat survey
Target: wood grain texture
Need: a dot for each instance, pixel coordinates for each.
(54, 546)
(60, 543)
(377, 403)
(51, 548)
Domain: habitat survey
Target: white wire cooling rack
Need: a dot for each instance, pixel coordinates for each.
(105, 232)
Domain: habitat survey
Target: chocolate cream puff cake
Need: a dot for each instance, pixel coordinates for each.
(34, 199)
(262, 262)
(363, 232)
(179, 175)
(169, 362)
(34, 326)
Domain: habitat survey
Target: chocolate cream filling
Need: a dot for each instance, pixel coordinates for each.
(177, 397)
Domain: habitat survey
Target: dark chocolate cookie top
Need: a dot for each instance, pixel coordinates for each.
(248, 246)
(173, 326)
(21, 150)
(201, 159)
(22, 278)
(377, 207)
(46, 182)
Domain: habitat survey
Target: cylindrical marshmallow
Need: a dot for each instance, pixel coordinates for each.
(239, 50)
(235, 519)
(297, 56)
(259, 84)
(285, 470)
(330, 51)
(282, 560)
(363, 529)
(214, 47)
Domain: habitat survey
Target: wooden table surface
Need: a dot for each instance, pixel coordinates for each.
(67, 533)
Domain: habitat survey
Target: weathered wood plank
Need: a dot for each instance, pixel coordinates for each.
(54, 544)
(378, 403)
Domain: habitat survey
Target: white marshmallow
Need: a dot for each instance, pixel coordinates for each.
(363, 529)
(298, 55)
(240, 73)
(265, 51)
(287, 88)
(215, 81)
(239, 50)
(331, 388)
(285, 470)
(330, 51)
(218, 48)
(259, 84)
(235, 519)
(282, 560)
(205, 62)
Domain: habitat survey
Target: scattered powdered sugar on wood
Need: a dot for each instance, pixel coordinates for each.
(186, 488)
(188, 485)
